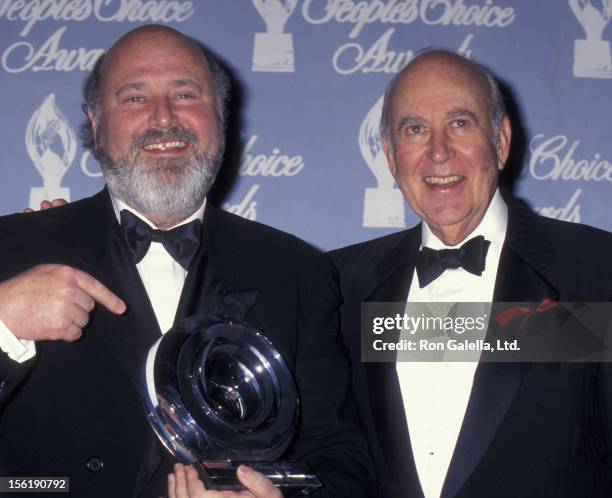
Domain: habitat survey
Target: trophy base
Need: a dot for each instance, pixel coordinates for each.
(39, 194)
(592, 59)
(273, 53)
(292, 478)
(383, 208)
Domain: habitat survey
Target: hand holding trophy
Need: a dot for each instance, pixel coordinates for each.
(185, 483)
(219, 395)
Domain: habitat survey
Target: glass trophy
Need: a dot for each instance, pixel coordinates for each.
(219, 394)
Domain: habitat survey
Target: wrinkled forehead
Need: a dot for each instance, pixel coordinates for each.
(147, 50)
(442, 76)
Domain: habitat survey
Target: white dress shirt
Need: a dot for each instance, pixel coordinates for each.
(435, 394)
(162, 276)
(19, 350)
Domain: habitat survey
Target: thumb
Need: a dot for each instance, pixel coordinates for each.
(258, 484)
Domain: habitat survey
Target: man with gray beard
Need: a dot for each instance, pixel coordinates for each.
(70, 376)
(146, 187)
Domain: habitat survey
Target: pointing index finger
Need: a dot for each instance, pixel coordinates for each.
(100, 293)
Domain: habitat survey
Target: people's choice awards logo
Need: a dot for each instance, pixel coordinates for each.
(592, 55)
(389, 53)
(384, 205)
(273, 50)
(51, 144)
(53, 54)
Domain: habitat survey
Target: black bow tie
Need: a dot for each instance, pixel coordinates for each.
(430, 264)
(181, 242)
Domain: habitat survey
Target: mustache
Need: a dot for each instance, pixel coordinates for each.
(172, 134)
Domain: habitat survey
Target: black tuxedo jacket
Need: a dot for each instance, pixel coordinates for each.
(530, 430)
(75, 409)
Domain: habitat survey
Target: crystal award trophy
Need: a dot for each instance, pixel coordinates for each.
(219, 394)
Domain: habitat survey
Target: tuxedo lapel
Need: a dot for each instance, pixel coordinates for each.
(205, 293)
(392, 430)
(101, 253)
(212, 286)
(393, 275)
(131, 336)
(391, 283)
(198, 288)
(520, 278)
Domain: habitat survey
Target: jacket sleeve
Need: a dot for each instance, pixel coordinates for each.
(332, 441)
(12, 374)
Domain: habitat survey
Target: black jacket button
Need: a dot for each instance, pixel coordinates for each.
(94, 464)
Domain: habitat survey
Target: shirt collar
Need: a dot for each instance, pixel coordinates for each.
(119, 205)
(492, 226)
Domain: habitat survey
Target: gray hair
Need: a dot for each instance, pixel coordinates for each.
(497, 109)
(92, 96)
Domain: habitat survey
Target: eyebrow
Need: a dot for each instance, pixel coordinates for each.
(187, 82)
(457, 113)
(409, 121)
(139, 85)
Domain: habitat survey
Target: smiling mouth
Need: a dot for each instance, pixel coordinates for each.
(177, 144)
(443, 180)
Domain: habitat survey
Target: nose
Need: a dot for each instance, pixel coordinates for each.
(440, 147)
(162, 113)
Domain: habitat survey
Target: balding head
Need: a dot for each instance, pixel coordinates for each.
(153, 36)
(484, 83)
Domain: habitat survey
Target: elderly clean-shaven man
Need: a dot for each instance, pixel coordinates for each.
(474, 429)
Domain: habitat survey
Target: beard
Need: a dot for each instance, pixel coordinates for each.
(165, 190)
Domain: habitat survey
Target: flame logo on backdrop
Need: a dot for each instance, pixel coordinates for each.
(51, 144)
(384, 205)
(592, 55)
